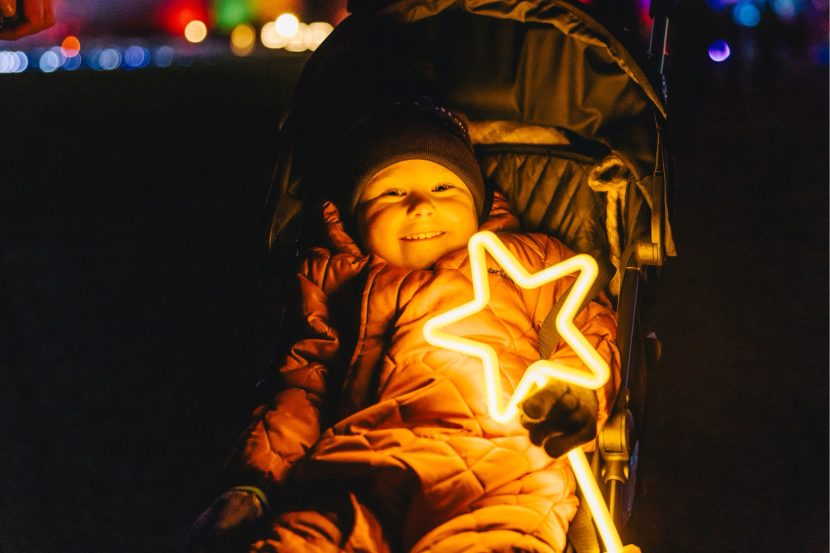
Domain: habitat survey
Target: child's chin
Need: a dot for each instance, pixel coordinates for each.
(426, 260)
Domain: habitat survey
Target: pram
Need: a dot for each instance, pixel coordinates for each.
(566, 121)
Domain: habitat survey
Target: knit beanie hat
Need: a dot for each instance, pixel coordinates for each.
(414, 129)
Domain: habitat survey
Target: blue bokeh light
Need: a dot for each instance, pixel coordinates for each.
(49, 61)
(136, 57)
(109, 59)
(719, 5)
(24, 61)
(164, 56)
(821, 54)
(786, 9)
(72, 63)
(719, 51)
(8, 62)
(60, 54)
(92, 59)
(746, 14)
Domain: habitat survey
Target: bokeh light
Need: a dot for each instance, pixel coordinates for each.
(177, 14)
(300, 40)
(270, 38)
(71, 46)
(318, 32)
(719, 5)
(243, 39)
(719, 51)
(73, 63)
(92, 59)
(746, 14)
(786, 9)
(195, 31)
(59, 53)
(230, 13)
(164, 56)
(821, 54)
(136, 57)
(9, 62)
(109, 59)
(48, 61)
(24, 61)
(287, 25)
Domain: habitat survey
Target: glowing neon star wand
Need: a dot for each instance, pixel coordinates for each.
(543, 370)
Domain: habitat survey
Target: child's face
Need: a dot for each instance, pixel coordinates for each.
(414, 212)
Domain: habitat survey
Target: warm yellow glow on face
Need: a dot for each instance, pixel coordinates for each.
(543, 370)
(195, 31)
(414, 212)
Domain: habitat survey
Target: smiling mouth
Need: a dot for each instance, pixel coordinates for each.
(423, 236)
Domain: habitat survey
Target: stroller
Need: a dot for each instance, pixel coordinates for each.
(566, 122)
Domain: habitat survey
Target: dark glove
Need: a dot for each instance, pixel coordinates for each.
(229, 524)
(560, 417)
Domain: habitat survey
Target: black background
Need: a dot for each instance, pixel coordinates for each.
(136, 317)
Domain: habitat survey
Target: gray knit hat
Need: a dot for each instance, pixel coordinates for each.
(415, 129)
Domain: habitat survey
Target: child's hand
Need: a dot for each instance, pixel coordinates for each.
(228, 525)
(560, 417)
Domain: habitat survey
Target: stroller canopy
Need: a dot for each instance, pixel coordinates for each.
(536, 79)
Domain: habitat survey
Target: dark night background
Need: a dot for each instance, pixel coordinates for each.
(136, 316)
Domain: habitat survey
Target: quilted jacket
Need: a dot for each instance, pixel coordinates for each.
(368, 405)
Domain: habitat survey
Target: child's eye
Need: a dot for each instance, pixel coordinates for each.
(442, 187)
(393, 192)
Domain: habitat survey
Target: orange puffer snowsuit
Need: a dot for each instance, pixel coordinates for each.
(380, 442)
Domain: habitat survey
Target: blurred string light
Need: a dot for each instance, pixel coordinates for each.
(787, 9)
(164, 56)
(270, 37)
(71, 46)
(177, 14)
(720, 5)
(109, 59)
(13, 62)
(49, 61)
(320, 30)
(298, 42)
(719, 51)
(821, 53)
(746, 14)
(295, 36)
(58, 51)
(243, 39)
(287, 25)
(195, 31)
(73, 63)
(231, 13)
(136, 57)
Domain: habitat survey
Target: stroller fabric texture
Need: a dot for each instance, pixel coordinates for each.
(377, 441)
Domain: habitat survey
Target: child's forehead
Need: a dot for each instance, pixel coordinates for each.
(416, 170)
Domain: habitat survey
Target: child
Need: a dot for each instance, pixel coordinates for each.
(378, 441)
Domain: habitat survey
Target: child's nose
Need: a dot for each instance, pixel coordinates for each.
(420, 205)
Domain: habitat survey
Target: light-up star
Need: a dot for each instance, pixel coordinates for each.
(543, 370)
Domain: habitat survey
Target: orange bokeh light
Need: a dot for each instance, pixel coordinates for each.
(71, 46)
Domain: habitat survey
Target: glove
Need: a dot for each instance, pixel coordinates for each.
(560, 417)
(229, 524)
